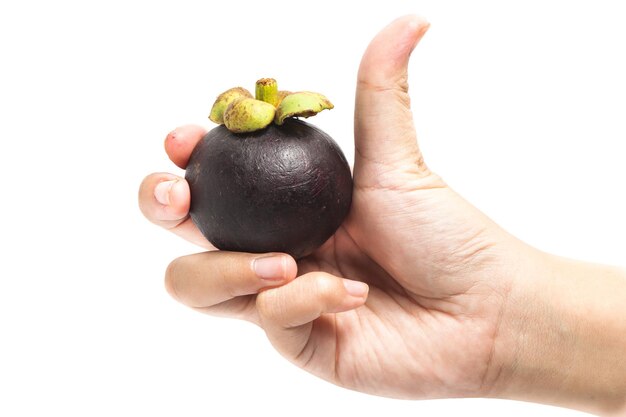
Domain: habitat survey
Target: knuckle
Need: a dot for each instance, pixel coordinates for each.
(325, 284)
(327, 289)
(233, 273)
(397, 86)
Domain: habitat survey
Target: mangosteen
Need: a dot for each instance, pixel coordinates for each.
(265, 181)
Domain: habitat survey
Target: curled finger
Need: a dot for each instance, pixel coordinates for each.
(215, 278)
(287, 312)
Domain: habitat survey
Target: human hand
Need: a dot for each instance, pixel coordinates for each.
(417, 295)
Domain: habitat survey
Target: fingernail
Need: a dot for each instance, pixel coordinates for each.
(355, 288)
(270, 267)
(162, 192)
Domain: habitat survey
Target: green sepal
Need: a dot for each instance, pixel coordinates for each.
(301, 104)
(248, 115)
(223, 100)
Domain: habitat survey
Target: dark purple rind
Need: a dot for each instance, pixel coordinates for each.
(281, 189)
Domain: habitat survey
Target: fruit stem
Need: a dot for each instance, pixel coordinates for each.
(267, 91)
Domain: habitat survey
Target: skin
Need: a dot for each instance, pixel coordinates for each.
(418, 294)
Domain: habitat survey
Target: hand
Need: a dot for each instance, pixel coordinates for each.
(417, 295)
(431, 260)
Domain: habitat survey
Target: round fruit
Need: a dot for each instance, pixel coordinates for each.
(284, 188)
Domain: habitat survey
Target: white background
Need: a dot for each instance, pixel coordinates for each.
(520, 106)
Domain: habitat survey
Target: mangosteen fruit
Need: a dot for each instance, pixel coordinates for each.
(264, 181)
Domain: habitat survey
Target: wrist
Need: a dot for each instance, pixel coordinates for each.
(562, 338)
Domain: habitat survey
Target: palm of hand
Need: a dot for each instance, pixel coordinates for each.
(427, 330)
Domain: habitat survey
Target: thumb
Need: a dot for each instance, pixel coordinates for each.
(384, 131)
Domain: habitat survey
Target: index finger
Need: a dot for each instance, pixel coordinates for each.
(180, 142)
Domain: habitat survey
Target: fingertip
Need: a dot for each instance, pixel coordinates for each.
(164, 198)
(387, 56)
(154, 194)
(180, 142)
(355, 289)
(409, 25)
(417, 28)
(355, 296)
(413, 21)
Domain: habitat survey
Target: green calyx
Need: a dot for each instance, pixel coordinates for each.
(240, 112)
